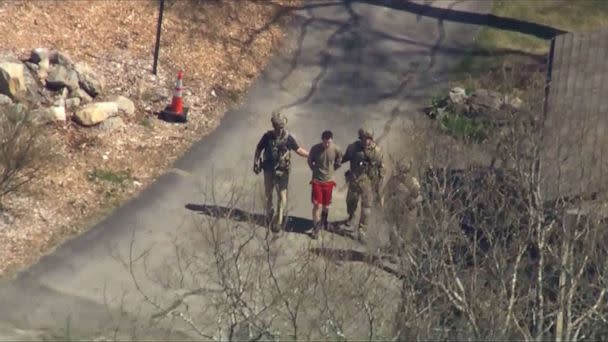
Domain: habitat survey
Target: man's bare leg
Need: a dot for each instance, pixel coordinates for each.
(324, 215)
(316, 219)
(316, 213)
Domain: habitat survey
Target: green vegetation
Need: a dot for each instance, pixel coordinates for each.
(234, 96)
(568, 15)
(455, 123)
(494, 46)
(437, 102)
(464, 128)
(114, 177)
(146, 122)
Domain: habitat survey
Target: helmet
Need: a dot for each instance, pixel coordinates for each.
(278, 120)
(365, 133)
(404, 166)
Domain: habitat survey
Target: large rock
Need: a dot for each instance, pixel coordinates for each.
(50, 114)
(43, 69)
(33, 93)
(72, 103)
(88, 79)
(484, 101)
(59, 58)
(82, 95)
(57, 113)
(5, 100)
(12, 79)
(513, 101)
(125, 105)
(60, 77)
(8, 56)
(40, 58)
(32, 66)
(59, 102)
(39, 54)
(458, 95)
(94, 113)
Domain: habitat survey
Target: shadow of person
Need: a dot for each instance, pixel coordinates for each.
(355, 256)
(292, 224)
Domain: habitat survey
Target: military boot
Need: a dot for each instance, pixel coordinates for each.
(350, 221)
(361, 233)
(275, 227)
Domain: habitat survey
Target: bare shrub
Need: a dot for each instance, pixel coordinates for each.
(491, 257)
(228, 279)
(23, 148)
(484, 255)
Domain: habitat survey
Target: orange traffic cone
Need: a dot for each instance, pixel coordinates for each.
(176, 112)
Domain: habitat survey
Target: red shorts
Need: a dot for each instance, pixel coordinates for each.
(321, 192)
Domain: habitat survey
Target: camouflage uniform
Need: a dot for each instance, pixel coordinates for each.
(364, 177)
(402, 193)
(276, 164)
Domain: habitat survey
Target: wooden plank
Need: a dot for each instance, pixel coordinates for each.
(603, 109)
(564, 143)
(575, 132)
(584, 98)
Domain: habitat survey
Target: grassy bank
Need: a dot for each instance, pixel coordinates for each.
(494, 46)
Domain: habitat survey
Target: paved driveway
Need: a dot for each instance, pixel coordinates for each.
(347, 64)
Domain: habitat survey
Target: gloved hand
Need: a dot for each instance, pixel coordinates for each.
(348, 176)
(257, 166)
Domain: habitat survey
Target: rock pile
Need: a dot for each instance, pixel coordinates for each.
(57, 89)
(481, 104)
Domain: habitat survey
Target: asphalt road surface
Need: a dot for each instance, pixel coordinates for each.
(346, 64)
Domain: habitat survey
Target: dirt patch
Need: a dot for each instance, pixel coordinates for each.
(221, 45)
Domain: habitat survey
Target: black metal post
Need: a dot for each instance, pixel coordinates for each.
(158, 31)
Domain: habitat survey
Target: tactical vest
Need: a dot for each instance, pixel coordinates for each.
(362, 161)
(277, 155)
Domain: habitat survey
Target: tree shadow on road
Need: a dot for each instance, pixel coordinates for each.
(489, 20)
(353, 52)
(293, 224)
(356, 256)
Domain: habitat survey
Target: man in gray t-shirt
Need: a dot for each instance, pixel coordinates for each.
(323, 159)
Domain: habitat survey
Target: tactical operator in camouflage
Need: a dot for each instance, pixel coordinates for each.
(324, 158)
(403, 197)
(364, 178)
(277, 145)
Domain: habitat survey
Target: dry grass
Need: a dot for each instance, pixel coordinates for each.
(221, 45)
(201, 37)
(510, 47)
(567, 15)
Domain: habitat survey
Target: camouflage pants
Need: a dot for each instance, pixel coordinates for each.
(401, 212)
(402, 226)
(278, 183)
(360, 189)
